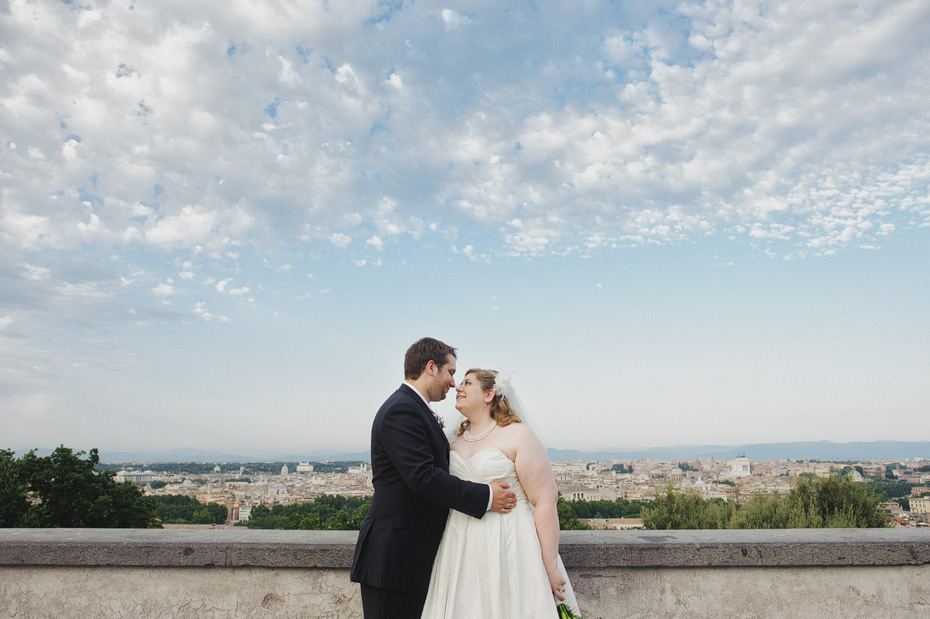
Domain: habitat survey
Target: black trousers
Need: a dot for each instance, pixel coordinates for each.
(380, 603)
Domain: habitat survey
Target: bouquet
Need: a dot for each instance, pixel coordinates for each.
(565, 612)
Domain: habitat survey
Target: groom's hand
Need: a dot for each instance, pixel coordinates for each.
(503, 500)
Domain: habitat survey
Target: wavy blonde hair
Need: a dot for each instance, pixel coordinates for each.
(500, 411)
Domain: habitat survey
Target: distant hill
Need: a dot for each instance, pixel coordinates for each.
(814, 450)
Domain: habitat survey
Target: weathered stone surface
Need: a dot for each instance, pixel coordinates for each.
(231, 573)
(747, 548)
(603, 593)
(143, 593)
(334, 549)
(749, 593)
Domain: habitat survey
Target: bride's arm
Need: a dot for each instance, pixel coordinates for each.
(535, 474)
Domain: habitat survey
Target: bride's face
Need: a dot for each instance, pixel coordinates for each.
(470, 396)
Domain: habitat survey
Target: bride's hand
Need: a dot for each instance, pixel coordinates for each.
(556, 580)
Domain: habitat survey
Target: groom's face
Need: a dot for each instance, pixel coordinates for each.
(443, 380)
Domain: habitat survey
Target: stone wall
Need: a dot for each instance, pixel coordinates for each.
(231, 573)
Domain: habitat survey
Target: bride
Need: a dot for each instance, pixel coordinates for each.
(501, 566)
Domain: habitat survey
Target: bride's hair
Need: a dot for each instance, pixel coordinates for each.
(500, 411)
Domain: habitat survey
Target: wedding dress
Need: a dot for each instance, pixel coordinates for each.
(491, 568)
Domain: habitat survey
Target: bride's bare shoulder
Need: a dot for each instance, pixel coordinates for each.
(520, 432)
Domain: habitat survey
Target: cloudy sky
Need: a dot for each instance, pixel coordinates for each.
(221, 224)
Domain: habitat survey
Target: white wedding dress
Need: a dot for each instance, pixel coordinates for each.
(491, 568)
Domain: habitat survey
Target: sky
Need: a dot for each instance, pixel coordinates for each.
(222, 224)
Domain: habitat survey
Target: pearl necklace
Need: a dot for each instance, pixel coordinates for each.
(471, 439)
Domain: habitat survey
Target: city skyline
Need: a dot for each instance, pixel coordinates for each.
(675, 223)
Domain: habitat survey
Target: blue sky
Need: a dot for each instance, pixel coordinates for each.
(675, 223)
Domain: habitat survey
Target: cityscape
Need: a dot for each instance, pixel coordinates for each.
(240, 487)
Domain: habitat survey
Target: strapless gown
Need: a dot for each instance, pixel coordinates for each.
(491, 568)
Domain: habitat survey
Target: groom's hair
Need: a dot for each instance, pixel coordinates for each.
(422, 352)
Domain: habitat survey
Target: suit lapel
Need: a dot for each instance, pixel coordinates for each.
(439, 436)
(423, 407)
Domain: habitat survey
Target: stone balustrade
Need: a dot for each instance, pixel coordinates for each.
(232, 573)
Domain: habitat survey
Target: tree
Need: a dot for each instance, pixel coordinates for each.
(621, 508)
(63, 490)
(676, 510)
(13, 488)
(326, 512)
(218, 512)
(180, 509)
(834, 501)
(567, 519)
(889, 489)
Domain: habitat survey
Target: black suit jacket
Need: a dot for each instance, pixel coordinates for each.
(414, 491)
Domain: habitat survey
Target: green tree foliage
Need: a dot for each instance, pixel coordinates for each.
(675, 510)
(621, 508)
(13, 489)
(622, 468)
(888, 489)
(179, 509)
(834, 501)
(327, 512)
(64, 490)
(346, 513)
(568, 521)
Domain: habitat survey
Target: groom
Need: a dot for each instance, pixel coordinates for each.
(413, 489)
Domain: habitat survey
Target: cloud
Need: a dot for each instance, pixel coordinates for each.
(166, 289)
(453, 20)
(200, 309)
(184, 229)
(594, 129)
(22, 229)
(340, 240)
(35, 273)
